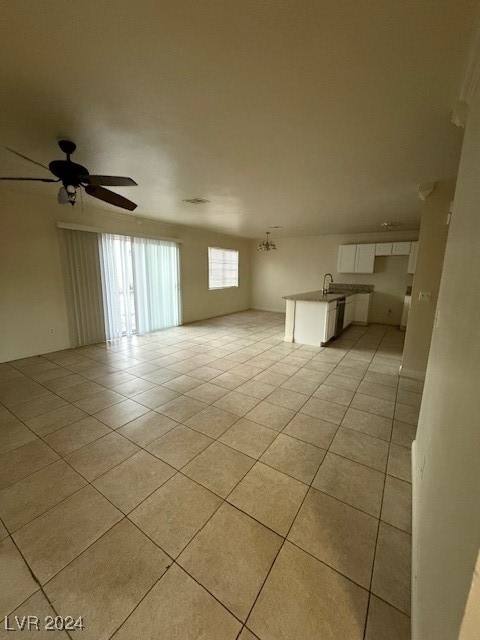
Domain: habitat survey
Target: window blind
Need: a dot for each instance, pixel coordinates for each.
(222, 268)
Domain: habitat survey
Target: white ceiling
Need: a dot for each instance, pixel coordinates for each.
(322, 116)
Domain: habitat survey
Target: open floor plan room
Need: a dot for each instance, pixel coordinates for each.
(209, 481)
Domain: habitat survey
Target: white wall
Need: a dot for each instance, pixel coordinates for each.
(299, 264)
(32, 298)
(446, 470)
(431, 250)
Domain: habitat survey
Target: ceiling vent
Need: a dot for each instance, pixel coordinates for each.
(196, 200)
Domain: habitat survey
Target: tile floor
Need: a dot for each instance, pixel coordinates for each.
(210, 481)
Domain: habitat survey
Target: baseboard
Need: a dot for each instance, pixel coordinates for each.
(410, 373)
(414, 605)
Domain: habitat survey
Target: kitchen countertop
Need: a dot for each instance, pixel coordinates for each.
(315, 296)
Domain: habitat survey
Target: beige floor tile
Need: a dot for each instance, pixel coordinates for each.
(231, 557)
(179, 446)
(400, 462)
(182, 384)
(349, 372)
(112, 380)
(297, 459)
(385, 622)
(334, 394)
(65, 382)
(300, 385)
(312, 430)
(94, 459)
(182, 609)
(156, 397)
(3, 531)
(269, 496)
(37, 407)
(56, 419)
(324, 410)
(181, 408)
(360, 447)
(310, 375)
(174, 513)
(80, 391)
(130, 482)
(147, 428)
(16, 581)
(212, 421)
(288, 399)
(382, 378)
(31, 496)
(397, 504)
(219, 468)
(207, 392)
(121, 413)
(369, 423)
(304, 599)
(342, 382)
(236, 403)
(36, 605)
(270, 415)
(351, 482)
(406, 413)
(246, 370)
(391, 573)
(24, 460)
(339, 535)
(403, 434)
(409, 397)
(378, 406)
(133, 387)
(206, 373)
(272, 377)
(377, 390)
(247, 635)
(76, 435)
(248, 437)
(52, 540)
(99, 401)
(126, 565)
(256, 389)
(410, 385)
(14, 435)
(229, 380)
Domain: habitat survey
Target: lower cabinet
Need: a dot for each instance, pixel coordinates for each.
(331, 323)
(362, 308)
(349, 316)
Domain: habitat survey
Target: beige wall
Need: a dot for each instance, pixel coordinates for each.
(32, 299)
(299, 265)
(446, 470)
(431, 250)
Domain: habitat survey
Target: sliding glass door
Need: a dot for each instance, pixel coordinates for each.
(140, 283)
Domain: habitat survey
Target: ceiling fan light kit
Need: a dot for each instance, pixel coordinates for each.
(74, 176)
(267, 245)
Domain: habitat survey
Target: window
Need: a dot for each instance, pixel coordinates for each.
(222, 268)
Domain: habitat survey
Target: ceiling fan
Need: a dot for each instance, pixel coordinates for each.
(74, 176)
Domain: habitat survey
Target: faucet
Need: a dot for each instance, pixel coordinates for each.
(325, 290)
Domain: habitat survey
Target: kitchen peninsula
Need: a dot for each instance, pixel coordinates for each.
(316, 317)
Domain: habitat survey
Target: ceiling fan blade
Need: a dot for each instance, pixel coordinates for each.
(33, 179)
(110, 197)
(26, 158)
(62, 196)
(110, 181)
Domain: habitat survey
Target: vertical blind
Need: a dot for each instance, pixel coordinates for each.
(222, 268)
(83, 287)
(156, 284)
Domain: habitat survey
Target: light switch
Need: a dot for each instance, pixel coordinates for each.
(424, 296)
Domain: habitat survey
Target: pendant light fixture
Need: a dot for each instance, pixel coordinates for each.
(267, 245)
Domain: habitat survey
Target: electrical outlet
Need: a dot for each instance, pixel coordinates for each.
(424, 296)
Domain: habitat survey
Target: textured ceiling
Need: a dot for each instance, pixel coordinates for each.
(320, 116)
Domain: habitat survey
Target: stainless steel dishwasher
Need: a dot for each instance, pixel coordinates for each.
(340, 316)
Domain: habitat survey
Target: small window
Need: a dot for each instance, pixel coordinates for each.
(222, 268)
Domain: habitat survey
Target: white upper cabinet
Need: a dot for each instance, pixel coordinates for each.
(383, 249)
(401, 248)
(346, 258)
(412, 259)
(364, 258)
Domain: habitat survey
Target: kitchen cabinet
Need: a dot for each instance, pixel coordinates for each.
(331, 322)
(401, 248)
(362, 308)
(315, 322)
(383, 249)
(356, 258)
(412, 258)
(364, 258)
(346, 258)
